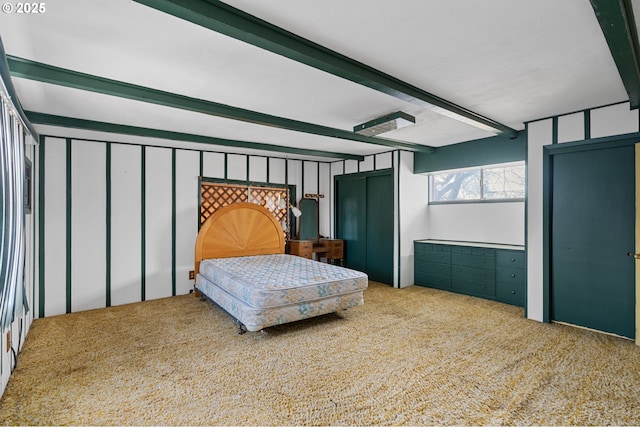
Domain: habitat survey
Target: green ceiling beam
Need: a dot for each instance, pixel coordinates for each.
(619, 27)
(74, 123)
(59, 76)
(5, 75)
(222, 18)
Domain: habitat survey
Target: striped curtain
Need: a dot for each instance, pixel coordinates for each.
(12, 226)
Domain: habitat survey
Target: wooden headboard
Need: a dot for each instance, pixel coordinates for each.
(240, 229)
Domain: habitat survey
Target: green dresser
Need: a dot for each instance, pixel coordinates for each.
(490, 271)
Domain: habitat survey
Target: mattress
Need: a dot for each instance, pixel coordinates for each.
(255, 319)
(266, 281)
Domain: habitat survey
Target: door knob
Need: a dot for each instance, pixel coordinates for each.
(636, 256)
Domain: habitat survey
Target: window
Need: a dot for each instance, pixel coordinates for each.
(499, 182)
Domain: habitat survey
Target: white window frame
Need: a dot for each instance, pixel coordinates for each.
(482, 198)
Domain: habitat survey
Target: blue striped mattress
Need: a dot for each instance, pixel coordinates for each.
(265, 290)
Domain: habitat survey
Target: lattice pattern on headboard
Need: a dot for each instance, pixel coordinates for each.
(214, 196)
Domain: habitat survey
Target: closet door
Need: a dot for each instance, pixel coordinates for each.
(351, 220)
(380, 228)
(364, 220)
(592, 230)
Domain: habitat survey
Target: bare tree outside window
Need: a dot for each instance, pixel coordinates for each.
(503, 183)
(491, 183)
(456, 186)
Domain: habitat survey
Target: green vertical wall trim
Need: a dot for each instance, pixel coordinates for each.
(318, 178)
(33, 233)
(143, 225)
(200, 185)
(547, 177)
(554, 130)
(587, 124)
(375, 167)
(290, 196)
(268, 169)
(526, 218)
(225, 19)
(108, 225)
(247, 168)
(69, 205)
(173, 222)
(41, 228)
(397, 209)
(302, 180)
(226, 164)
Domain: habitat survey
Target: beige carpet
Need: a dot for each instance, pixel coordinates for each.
(415, 356)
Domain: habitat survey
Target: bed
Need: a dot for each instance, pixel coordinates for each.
(241, 266)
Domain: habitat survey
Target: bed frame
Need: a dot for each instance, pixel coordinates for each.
(240, 229)
(246, 229)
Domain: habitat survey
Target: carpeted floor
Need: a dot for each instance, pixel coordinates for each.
(414, 356)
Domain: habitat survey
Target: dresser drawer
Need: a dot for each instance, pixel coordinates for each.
(302, 248)
(472, 273)
(433, 268)
(433, 280)
(337, 249)
(461, 250)
(421, 248)
(514, 276)
(440, 257)
(513, 259)
(484, 252)
(472, 287)
(510, 293)
(473, 261)
(424, 247)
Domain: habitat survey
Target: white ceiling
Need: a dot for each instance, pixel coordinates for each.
(511, 61)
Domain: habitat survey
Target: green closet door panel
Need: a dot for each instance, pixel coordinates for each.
(351, 221)
(380, 228)
(592, 229)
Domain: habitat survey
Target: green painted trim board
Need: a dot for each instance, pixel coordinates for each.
(479, 152)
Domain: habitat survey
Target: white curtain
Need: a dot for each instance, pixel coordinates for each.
(12, 220)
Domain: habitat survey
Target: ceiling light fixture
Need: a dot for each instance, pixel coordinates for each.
(386, 123)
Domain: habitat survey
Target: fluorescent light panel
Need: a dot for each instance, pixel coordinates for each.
(385, 123)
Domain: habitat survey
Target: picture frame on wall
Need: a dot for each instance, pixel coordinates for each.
(27, 185)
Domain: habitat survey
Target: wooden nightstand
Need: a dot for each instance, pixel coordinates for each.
(335, 250)
(302, 248)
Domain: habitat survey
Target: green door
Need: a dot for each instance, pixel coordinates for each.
(351, 220)
(592, 230)
(380, 228)
(364, 220)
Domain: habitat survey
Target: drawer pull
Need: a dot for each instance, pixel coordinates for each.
(513, 260)
(513, 275)
(513, 292)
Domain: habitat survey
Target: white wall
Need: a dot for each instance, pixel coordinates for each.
(606, 121)
(477, 222)
(138, 181)
(414, 195)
